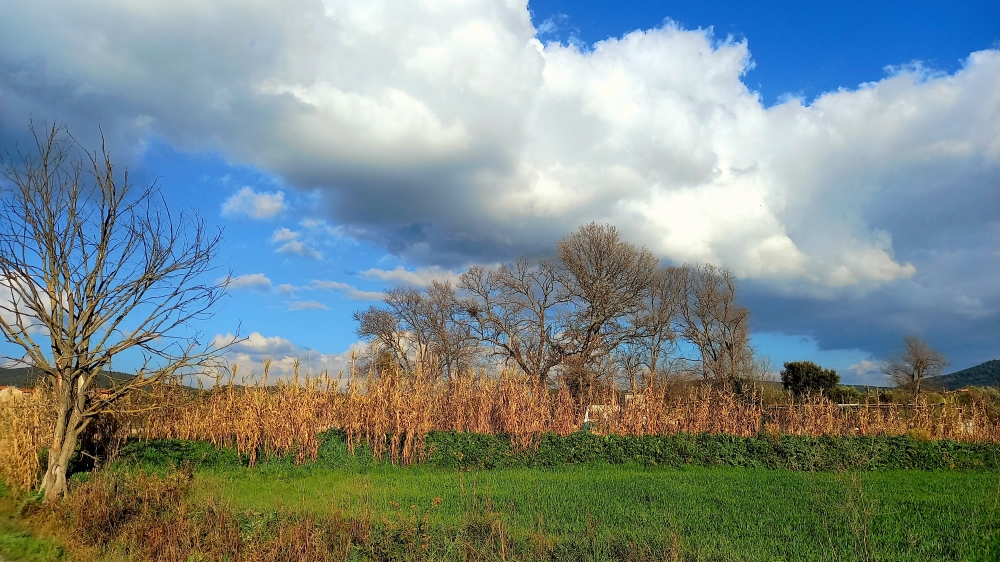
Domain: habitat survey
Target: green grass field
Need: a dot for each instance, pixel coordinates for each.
(585, 511)
(599, 512)
(15, 543)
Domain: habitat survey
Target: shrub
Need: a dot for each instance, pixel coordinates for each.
(803, 377)
(790, 452)
(845, 395)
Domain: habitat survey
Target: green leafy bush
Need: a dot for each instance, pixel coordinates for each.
(470, 451)
(803, 377)
(790, 452)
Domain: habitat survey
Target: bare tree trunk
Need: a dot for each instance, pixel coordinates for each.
(54, 482)
(69, 426)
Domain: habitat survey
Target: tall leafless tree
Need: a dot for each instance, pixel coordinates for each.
(97, 266)
(450, 335)
(402, 329)
(716, 325)
(609, 279)
(420, 327)
(512, 310)
(654, 326)
(911, 368)
(602, 309)
(381, 327)
(408, 306)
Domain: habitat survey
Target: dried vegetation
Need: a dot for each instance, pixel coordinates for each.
(391, 412)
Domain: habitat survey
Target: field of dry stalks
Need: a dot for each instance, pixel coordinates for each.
(393, 412)
(25, 429)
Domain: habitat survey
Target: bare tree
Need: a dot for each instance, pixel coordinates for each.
(97, 266)
(655, 322)
(420, 327)
(914, 365)
(602, 296)
(602, 310)
(408, 306)
(449, 334)
(513, 310)
(609, 279)
(716, 326)
(403, 329)
(381, 327)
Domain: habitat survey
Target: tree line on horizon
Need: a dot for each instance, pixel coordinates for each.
(599, 311)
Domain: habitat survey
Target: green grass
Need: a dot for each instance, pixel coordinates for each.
(698, 497)
(714, 513)
(589, 498)
(20, 546)
(16, 544)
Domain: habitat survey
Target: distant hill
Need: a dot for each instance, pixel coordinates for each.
(25, 377)
(984, 374)
(22, 378)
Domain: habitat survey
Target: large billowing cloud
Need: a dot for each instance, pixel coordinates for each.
(446, 131)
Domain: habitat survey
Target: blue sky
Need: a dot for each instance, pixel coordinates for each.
(842, 158)
(802, 48)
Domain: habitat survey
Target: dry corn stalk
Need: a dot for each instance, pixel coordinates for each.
(392, 411)
(26, 425)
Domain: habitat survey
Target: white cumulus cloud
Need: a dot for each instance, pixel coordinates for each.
(448, 133)
(247, 202)
(250, 281)
(284, 234)
(14, 294)
(449, 130)
(250, 354)
(867, 372)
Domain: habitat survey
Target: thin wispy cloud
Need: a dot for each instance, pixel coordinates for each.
(289, 242)
(419, 277)
(307, 305)
(299, 248)
(349, 291)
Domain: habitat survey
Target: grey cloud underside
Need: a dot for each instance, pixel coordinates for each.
(450, 135)
(877, 321)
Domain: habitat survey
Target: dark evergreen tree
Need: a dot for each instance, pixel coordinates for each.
(802, 377)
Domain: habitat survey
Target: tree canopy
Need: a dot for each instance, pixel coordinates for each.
(803, 377)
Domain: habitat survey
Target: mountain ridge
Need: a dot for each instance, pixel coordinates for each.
(27, 377)
(984, 374)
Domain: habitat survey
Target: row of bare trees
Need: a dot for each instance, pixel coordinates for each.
(601, 308)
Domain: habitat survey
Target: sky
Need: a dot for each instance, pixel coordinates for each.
(843, 159)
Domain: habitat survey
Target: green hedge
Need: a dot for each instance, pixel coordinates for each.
(467, 451)
(790, 452)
